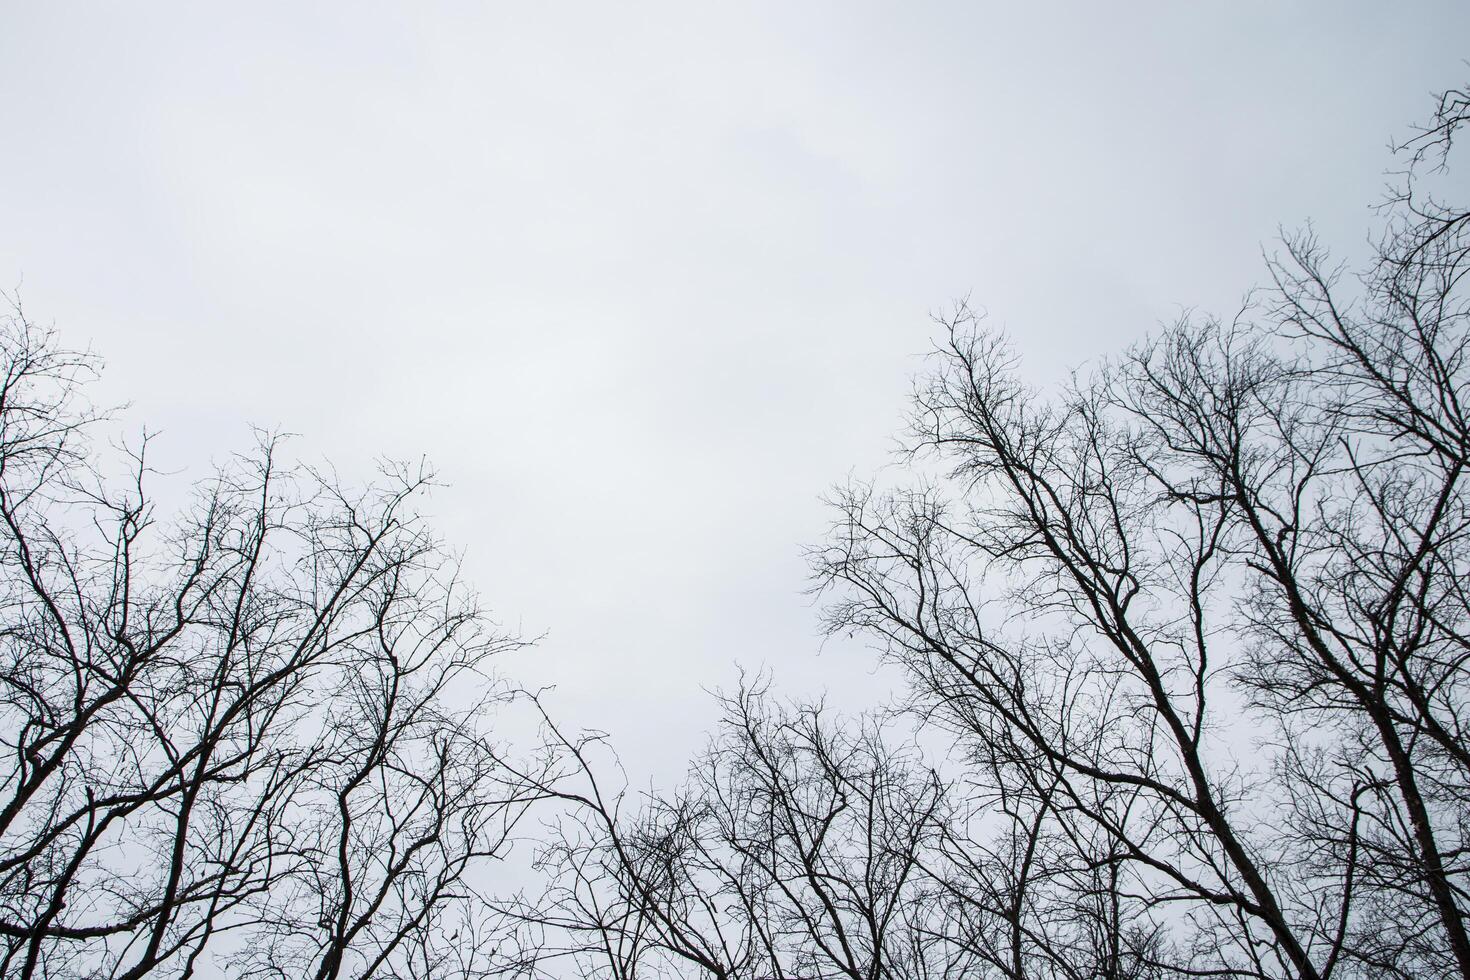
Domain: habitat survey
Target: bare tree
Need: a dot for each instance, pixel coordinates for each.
(809, 845)
(792, 851)
(1208, 603)
(252, 736)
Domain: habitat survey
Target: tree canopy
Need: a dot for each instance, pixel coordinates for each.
(1185, 642)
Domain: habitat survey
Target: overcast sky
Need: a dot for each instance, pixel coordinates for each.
(644, 279)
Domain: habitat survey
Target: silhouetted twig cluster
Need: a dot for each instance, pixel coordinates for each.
(257, 731)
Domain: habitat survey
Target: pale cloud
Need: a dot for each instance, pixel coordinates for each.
(644, 280)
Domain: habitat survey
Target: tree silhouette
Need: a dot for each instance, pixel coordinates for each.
(254, 731)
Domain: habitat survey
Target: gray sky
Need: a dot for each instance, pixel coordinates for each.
(644, 279)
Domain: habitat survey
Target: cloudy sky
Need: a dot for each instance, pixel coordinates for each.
(644, 279)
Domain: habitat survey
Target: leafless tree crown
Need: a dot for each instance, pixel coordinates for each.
(1186, 646)
(251, 738)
